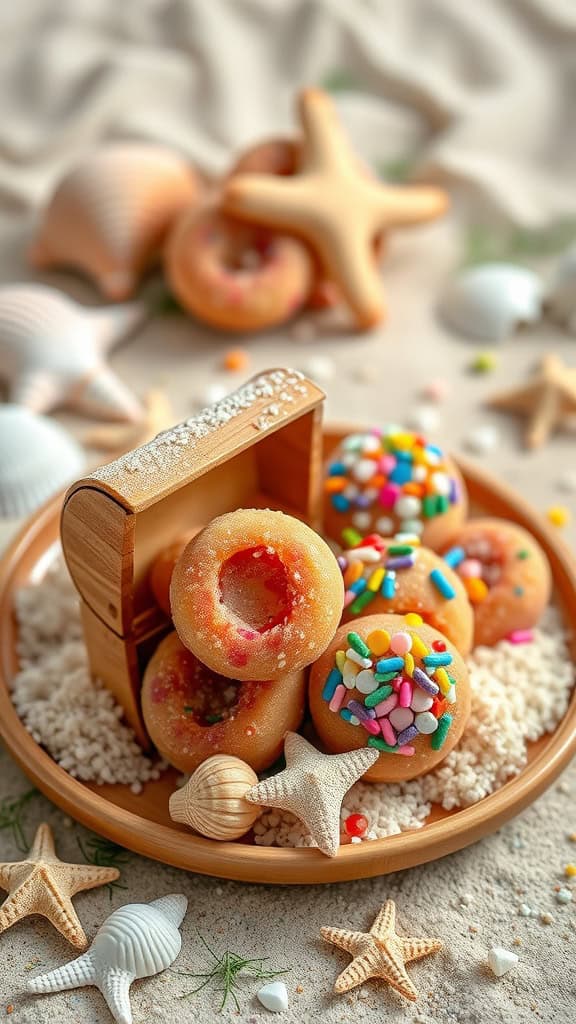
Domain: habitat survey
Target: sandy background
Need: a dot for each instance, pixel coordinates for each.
(96, 71)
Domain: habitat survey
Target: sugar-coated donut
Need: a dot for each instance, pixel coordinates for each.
(236, 276)
(390, 576)
(256, 594)
(506, 575)
(394, 683)
(162, 568)
(191, 712)
(392, 480)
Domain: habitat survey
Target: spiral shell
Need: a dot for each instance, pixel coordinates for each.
(110, 214)
(212, 801)
(37, 458)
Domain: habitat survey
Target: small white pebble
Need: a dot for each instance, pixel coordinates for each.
(320, 368)
(546, 918)
(424, 418)
(501, 960)
(136, 788)
(524, 910)
(482, 439)
(274, 996)
(436, 389)
(566, 482)
(356, 840)
(564, 896)
(467, 898)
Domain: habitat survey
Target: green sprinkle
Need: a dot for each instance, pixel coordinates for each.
(429, 506)
(351, 537)
(357, 644)
(376, 696)
(442, 504)
(438, 737)
(360, 602)
(518, 591)
(400, 549)
(385, 677)
(375, 741)
(484, 362)
(188, 708)
(523, 553)
(212, 719)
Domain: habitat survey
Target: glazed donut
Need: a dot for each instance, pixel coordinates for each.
(235, 276)
(392, 481)
(506, 575)
(386, 576)
(191, 713)
(256, 594)
(396, 684)
(162, 568)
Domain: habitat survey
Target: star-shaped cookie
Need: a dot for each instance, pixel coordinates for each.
(379, 953)
(43, 884)
(548, 400)
(312, 786)
(335, 205)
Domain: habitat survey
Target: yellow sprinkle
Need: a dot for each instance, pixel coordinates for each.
(378, 641)
(350, 668)
(409, 664)
(402, 441)
(412, 619)
(340, 659)
(419, 648)
(441, 677)
(570, 870)
(375, 580)
(558, 515)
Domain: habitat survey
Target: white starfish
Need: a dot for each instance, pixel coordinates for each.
(313, 785)
(135, 941)
(52, 352)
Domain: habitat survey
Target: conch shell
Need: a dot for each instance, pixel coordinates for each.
(212, 801)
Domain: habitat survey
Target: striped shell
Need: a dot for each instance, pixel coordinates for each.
(37, 459)
(492, 300)
(110, 214)
(212, 801)
(141, 938)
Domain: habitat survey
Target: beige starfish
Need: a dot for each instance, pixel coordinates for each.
(312, 786)
(379, 953)
(335, 205)
(548, 400)
(118, 438)
(42, 884)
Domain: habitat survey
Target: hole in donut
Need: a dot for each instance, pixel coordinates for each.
(255, 587)
(247, 251)
(490, 561)
(210, 698)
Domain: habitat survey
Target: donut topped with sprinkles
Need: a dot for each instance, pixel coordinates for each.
(392, 480)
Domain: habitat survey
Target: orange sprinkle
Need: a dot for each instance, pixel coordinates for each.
(476, 589)
(438, 707)
(378, 480)
(332, 484)
(235, 359)
(412, 487)
(353, 572)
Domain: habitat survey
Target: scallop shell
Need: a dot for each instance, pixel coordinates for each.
(489, 302)
(561, 292)
(110, 214)
(37, 459)
(212, 801)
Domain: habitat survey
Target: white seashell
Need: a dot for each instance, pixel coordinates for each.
(561, 291)
(490, 301)
(212, 801)
(110, 214)
(37, 459)
(135, 941)
(52, 352)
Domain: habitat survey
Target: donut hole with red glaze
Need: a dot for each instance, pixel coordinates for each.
(338, 735)
(514, 584)
(192, 713)
(257, 594)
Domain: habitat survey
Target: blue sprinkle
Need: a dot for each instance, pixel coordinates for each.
(403, 456)
(337, 469)
(401, 473)
(434, 449)
(390, 665)
(407, 735)
(388, 588)
(359, 586)
(518, 591)
(424, 682)
(346, 714)
(340, 503)
(454, 557)
(435, 660)
(442, 584)
(334, 679)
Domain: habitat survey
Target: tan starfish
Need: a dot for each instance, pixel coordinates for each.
(548, 400)
(312, 786)
(42, 884)
(334, 205)
(379, 953)
(118, 438)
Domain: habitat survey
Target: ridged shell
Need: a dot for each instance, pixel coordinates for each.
(212, 801)
(490, 301)
(561, 293)
(141, 938)
(110, 214)
(37, 459)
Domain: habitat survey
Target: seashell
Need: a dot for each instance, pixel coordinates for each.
(561, 292)
(110, 214)
(490, 301)
(135, 941)
(37, 459)
(52, 352)
(212, 801)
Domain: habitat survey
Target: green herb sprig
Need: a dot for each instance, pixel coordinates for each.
(225, 970)
(103, 853)
(11, 813)
(485, 244)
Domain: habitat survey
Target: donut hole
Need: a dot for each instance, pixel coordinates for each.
(210, 698)
(247, 252)
(255, 587)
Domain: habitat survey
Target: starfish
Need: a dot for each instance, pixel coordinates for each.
(379, 953)
(335, 205)
(118, 438)
(43, 884)
(548, 400)
(312, 786)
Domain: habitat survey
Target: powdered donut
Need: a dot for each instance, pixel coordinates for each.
(256, 594)
(162, 568)
(506, 575)
(392, 480)
(235, 276)
(385, 576)
(393, 683)
(191, 712)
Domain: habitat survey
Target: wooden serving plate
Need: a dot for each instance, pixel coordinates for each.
(142, 824)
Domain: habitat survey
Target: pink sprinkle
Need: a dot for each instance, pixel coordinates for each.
(371, 725)
(397, 683)
(406, 693)
(337, 697)
(386, 464)
(349, 597)
(247, 634)
(388, 732)
(388, 495)
(385, 706)
(520, 636)
(406, 751)
(470, 568)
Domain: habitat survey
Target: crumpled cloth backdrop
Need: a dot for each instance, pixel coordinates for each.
(489, 86)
